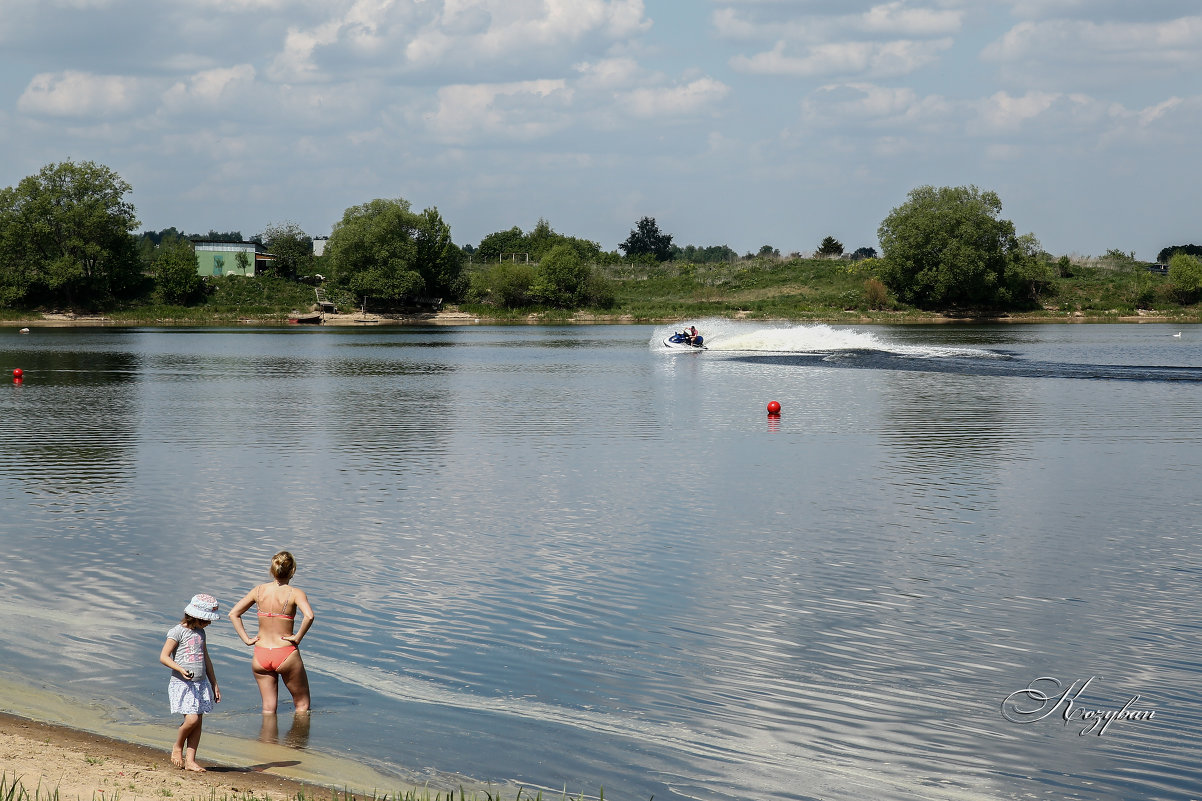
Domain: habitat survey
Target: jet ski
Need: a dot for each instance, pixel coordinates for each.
(680, 341)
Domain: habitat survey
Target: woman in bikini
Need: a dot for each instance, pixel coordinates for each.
(276, 655)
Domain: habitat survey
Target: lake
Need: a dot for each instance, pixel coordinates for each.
(567, 558)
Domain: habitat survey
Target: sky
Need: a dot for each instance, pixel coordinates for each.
(730, 122)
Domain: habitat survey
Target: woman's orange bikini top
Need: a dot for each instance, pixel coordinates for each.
(282, 608)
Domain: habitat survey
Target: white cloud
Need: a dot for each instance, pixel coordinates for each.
(81, 94)
(404, 35)
(209, 89)
(1004, 112)
(871, 105)
(521, 110)
(1168, 42)
(898, 19)
(219, 6)
(673, 101)
(609, 73)
(870, 59)
(1126, 10)
(884, 39)
(295, 62)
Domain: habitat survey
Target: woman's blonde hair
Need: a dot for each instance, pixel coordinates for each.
(283, 566)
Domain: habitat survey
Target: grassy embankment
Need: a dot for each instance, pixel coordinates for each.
(795, 289)
(836, 291)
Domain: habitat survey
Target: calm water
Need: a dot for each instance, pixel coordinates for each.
(567, 558)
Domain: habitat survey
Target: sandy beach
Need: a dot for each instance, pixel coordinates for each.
(88, 766)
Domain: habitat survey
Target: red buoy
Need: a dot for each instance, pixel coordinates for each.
(773, 407)
(18, 373)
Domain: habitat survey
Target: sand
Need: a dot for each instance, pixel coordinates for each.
(81, 765)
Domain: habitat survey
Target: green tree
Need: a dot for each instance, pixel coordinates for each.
(1185, 277)
(1166, 254)
(562, 278)
(541, 239)
(767, 251)
(66, 237)
(292, 248)
(566, 281)
(705, 255)
(1030, 272)
(175, 272)
(384, 250)
(647, 240)
(503, 243)
(830, 247)
(946, 247)
(438, 259)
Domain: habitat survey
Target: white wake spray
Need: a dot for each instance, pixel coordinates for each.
(736, 336)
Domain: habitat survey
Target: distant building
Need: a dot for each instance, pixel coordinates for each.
(319, 245)
(221, 258)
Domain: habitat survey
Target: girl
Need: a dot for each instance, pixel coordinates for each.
(276, 656)
(193, 686)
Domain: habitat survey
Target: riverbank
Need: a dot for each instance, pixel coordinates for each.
(453, 316)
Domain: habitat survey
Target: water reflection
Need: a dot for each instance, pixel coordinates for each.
(297, 735)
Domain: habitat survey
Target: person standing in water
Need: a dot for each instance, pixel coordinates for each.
(193, 685)
(276, 654)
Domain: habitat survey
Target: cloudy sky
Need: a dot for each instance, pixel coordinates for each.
(738, 122)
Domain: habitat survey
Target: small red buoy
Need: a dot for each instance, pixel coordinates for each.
(18, 373)
(773, 407)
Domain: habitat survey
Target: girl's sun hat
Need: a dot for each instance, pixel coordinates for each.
(203, 607)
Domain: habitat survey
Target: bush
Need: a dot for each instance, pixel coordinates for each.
(175, 271)
(1185, 277)
(562, 278)
(510, 283)
(875, 294)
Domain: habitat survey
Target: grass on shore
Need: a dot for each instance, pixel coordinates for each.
(13, 789)
(835, 290)
(827, 290)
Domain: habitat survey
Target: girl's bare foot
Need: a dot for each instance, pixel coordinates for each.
(192, 766)
(177, 757)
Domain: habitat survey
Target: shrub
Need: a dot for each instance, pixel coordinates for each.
(175, 272)
(1185, 277)
(875, 294)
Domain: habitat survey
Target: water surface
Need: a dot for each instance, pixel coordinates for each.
(565, 557)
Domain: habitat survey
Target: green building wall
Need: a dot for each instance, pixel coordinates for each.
(221, 258)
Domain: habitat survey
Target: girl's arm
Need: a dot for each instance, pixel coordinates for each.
(236, 617)
(212, 677)
(167, 654)
(302, 603)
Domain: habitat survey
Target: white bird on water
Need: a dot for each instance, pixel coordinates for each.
(24, 331)
(1178, 335)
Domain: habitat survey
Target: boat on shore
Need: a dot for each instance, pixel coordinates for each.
(313, 318)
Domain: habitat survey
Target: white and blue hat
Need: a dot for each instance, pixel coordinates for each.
(203, 607)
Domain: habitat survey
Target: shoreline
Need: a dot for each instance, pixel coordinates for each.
(453, 317)
(80, 764)
(53, 741)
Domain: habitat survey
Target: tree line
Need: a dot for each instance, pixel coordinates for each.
(67, 240)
